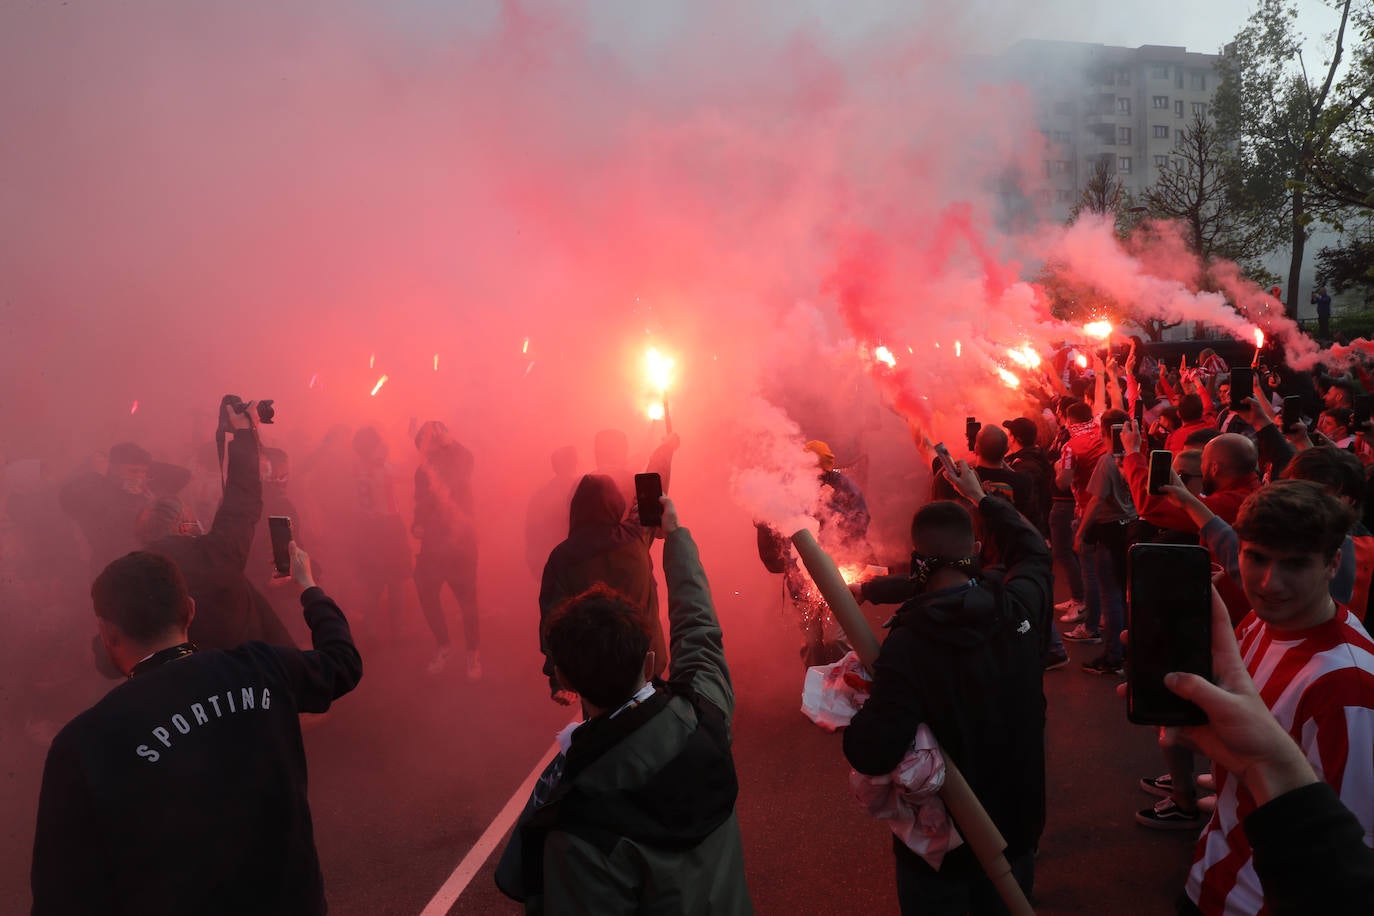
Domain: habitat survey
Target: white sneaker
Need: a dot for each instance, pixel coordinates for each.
(440, 660)
(474, 666)
(1074, 611)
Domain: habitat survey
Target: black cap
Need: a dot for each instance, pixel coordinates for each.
(1022, 430)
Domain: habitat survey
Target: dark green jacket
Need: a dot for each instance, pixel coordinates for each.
(643, 817)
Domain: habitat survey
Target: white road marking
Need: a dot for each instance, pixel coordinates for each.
(477, 856)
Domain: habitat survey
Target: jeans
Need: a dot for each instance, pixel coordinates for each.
(922, 891)
(1061, 542)
(1109, 562)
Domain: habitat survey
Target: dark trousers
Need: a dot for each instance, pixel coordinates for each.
(922, 891)
(459, 570)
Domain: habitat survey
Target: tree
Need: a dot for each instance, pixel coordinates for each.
(1104, 193)
(1349, 265)
(1194, 189)
(1295, 136)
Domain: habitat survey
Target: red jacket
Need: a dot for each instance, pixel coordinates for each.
(1177, 438)
(1158, 510)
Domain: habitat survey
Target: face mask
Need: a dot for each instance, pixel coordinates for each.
(923, 567)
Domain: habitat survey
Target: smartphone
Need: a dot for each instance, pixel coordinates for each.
(1161, 466)
(1139, 416)
(1118, 448)
(279, 527)
(1292, 411)
(1363, 405)
(1242, 386)
(1170, 623)
(946, 462)
(971, 427)
(648, 491)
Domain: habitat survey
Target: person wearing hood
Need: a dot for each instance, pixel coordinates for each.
(963, 657)
(604, 547)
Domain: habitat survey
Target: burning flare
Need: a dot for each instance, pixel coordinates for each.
(378, 387)
(436, 362)
(655, 410)
(958, 348)
(658, 369)
(1259, 339)
(525, 347)
(1099, 329)
(1008, 378)
(884, 356)
(372, 361)
(1025, 356)
(1082, 361)
(134, 409)
(313, 379)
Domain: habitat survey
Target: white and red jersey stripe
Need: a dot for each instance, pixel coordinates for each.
(1319, 683)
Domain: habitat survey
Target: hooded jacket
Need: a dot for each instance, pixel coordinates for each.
(642, 818)
(966, 661)
(602, 547)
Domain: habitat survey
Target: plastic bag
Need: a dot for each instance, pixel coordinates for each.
(831, 694)
(908, 798)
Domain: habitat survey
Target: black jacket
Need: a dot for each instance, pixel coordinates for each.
(184, 789)
(444, 506)
(1035, 464)
(602, 549)
(229, 610)
(1309, 854)
(966, 661)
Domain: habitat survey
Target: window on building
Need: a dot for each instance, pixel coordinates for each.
(1178, 77)
(1198, 81)
(1063, 167)
(1123, 136)
(1199, 109)
(1178, 164)
(1162, 162)
(1160, 71)
(1123, 77)
(1047, 168)
(1123, 165)
(1161, 131)
(1123, 105)
(1161, 101)
(1178, 136)
(1062, 136)
(1178, 108)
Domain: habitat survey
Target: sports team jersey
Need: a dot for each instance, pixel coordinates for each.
(1319, 683)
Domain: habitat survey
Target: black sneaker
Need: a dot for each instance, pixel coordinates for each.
(1101, 665)
(1163, 786)
(1166, 815)
(1055, 660)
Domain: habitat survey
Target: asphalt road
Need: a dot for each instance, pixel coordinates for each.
(408, 772)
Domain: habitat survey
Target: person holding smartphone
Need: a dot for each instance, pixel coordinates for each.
(605, 547)
(1313, 664)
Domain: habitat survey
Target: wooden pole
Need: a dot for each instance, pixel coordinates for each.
(972, 819)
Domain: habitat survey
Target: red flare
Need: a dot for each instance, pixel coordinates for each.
(378, 387)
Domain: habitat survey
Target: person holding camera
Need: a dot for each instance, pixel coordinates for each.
(214, 564)
(184, 789)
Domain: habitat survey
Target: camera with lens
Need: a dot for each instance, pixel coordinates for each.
(266, 412)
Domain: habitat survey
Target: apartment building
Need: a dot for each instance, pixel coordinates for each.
(1125, 107)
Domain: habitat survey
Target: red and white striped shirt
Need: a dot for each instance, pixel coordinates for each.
(1319, 683)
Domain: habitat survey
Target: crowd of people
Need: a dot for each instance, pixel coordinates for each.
(636, 813)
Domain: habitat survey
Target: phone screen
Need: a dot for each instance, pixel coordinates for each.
(971, 427)
(279, 527)
(1161, 464)
(1170, 624)
(1242, 386)
(648, 489)
(1117, 447)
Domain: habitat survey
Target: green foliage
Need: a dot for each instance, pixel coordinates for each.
(1349, 265)
(1302, 142)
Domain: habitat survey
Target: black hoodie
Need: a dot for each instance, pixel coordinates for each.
(602, 548)
(966, 660)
